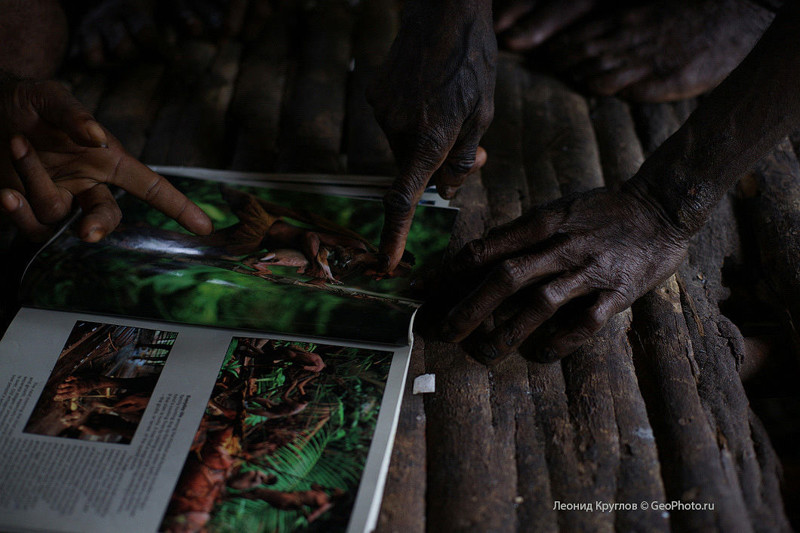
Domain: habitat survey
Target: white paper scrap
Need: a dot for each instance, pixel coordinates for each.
(425, 383)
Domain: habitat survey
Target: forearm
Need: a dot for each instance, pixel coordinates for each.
(732, 129)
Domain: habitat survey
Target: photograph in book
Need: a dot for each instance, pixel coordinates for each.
(278, 261)
(284, 439)
(101, 383)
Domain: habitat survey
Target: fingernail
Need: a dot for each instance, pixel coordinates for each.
(94, 235)
(19, 147)
(447, 192)
(548, 355)
(383, 262)
(10, 201)
(97, 135)
(447, 333)
(486, 353)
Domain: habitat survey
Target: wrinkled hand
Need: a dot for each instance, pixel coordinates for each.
(434, 99)
(600, 250)
(60, 154)
(525, 24)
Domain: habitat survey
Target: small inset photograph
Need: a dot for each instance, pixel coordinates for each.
(102, 383)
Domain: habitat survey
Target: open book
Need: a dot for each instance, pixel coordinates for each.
(245, 381)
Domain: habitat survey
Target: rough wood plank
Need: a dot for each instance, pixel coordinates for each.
(312, 122)
(576, 411)
(184, 76)
(256, 105)
(403, 507)
(129, 108)
(620, 150)
(368, 150)
(89, 87)
(559, 138)
(692, 462)
(516, 450)
(639, 472)
(654, 123)
(719, 350)
(504, 173)
(203, 140)
(464, 492)
(773, 189)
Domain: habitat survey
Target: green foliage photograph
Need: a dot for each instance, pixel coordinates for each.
(278, 261)
(284, 439)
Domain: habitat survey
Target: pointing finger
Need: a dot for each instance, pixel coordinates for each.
(154, 189)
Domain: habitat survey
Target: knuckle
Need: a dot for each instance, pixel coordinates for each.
(549, 297)
(464, 314)
(462, 165)
(474, 252)
(431, 142)
(51, 209)
(515, 334)
(595, 320)
(398, 202)
(485, 116)
(154, 189)
(509, 273)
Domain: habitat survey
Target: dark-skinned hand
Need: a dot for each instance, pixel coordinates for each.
(434, 99)
(61, 155)
(525, 24)
(600, 250)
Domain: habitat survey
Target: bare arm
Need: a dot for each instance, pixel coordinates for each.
(602, 250)
(736, 125)
(434, 99)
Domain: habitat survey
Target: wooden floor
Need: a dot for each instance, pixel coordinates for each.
(652, 410)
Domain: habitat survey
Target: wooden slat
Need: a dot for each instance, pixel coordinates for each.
(130, 106)
(313, 120)
(89, 87)
(464, 490)
(503, 178)
(689, 450)
(368, 150)
(620, 149)
(403, 507)
(184, 77)
(203, 140)
(718, 349)
(654, 123)
(504, 175)
(256, 106)
(773, 190)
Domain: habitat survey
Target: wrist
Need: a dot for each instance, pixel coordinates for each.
(679, 217)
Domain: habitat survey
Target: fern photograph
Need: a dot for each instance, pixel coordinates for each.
(284, 439)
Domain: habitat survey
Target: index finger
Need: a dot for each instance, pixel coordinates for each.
(154, 189)
(400, 204)
(521, 234)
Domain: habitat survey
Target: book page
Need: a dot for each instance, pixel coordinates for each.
(122, 425)
(279, 261)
